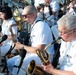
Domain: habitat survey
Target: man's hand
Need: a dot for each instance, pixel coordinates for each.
(1, 44)
(48, 68)
(18, 45)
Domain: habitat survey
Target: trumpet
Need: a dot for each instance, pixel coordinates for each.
(33, 68)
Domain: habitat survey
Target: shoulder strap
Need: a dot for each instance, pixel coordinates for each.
(50, 10)
(38, 21)
(53, 36)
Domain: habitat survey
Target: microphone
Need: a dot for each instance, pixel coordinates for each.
(3, 38)
(22, 55)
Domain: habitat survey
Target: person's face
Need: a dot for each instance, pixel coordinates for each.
(47, 1)
(27, 16)
(66, 35)
(2, 15)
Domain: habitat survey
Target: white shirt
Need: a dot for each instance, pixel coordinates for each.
(6, 29)
(48, 18)
(37, 2)
(41, 34)
(55, 8)
(67, 58)
(71, 10)
(54, 5)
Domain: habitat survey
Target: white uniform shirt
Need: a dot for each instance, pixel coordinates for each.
(71, 10)
(41, 34)
(48, 18)
(67, 58)
(6, 31)
(37, 2)
(55, 6)
(6, 27)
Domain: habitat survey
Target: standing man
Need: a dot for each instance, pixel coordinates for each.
(40, 37)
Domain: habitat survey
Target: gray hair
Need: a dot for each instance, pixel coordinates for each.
(68, 20)
(31, 9)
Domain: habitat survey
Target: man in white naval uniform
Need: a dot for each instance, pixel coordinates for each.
(67, 60)
(40, 37)
(54, 7)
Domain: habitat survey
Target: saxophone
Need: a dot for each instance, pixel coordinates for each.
(9, 54)
(13, 37)
(33, 68)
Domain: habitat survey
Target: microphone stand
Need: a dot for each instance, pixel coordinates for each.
(22, 57)
(21, 61)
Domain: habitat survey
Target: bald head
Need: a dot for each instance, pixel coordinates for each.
(29, 9)
(48, 1)
(31, 13)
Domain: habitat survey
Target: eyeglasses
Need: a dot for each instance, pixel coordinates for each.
(26, 15)
(63, 33)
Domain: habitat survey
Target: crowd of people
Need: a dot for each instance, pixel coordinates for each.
(46, 25)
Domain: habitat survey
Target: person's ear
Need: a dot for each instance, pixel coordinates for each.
(74, 30)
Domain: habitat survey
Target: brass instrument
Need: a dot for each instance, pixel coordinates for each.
(18, 18)
(14, 38)
(9, 54)
(34, 69)
(44, 56)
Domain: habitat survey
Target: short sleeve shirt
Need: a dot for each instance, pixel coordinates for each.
(55, 6)
(41, 34)
(67, 58)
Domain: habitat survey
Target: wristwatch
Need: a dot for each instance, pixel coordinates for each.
(22, 47)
